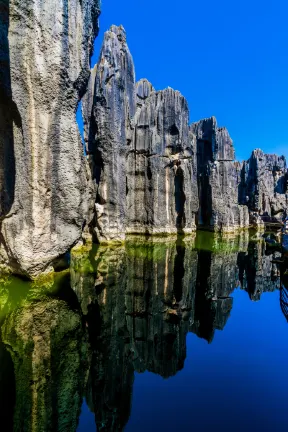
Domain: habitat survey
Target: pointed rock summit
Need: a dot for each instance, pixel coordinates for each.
(154, 173)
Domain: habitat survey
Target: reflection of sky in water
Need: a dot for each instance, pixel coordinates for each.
(87, 419)
(238, 382)
(141, 306)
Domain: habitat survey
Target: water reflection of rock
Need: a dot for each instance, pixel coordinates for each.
(45, 340)
(217, 278)
(146, 298)
(134, 304)
(159, 306)
(111, 376)
(257, 272)
(144, 303)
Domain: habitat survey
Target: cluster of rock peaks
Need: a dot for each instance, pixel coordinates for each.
(155, 173)
(148, 171)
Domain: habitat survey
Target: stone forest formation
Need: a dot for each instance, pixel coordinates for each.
(144, 169)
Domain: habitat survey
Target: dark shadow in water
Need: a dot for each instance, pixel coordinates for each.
(205, 310)
(7, 389)
(179, 271)
(47, 342)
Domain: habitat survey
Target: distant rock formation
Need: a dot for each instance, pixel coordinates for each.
(45, 187)
(264, 184)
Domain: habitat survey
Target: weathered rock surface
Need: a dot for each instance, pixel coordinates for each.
(44, 180)
(161, 196)
(136, 135)
(205, 188)
(264, 183)
(168, 178)
(218, 179)
(146, 172)
(113, 108)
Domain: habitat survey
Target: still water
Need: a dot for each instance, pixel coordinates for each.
(170, 336)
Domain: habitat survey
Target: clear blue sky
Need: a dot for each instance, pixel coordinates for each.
(228, 58)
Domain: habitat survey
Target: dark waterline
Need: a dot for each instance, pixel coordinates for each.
(148, 336)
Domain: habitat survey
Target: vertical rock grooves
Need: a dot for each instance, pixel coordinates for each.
(45, 187)
(154, 173)
(112, 110)
(218, 179)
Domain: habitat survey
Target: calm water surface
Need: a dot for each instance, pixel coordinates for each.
(149, 336)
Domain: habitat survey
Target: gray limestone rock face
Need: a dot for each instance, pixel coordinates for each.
(161, 165)
(110, 135)
(135, 136)
(264, 183)
(45, 190)
(218, 179)
(214, 143)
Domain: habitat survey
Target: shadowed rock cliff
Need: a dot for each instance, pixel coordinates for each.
(218, 179)
(45, 191)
